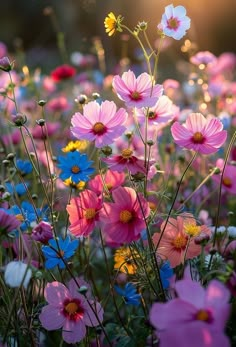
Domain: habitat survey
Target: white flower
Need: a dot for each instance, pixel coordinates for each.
(231, 231)
(17, 273)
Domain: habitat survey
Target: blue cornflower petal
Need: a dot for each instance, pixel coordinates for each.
(129, 294)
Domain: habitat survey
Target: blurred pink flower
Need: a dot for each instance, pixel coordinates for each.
(42, 232)
(229, 177)
(196, 318)
(111, 179)
(58, 104)
(99, 123)
(50, 129)
(124, 219)
(84, 213)
(204, 58)
(202, 135)
(137, 92)
(69, 310)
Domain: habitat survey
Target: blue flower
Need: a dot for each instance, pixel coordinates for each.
(66, 248)
(129, 294)
(19, 188)
(24, 166)
(75, 166)
(166, 272)
(25, 213)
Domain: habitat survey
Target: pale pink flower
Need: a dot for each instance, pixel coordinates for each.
(137, 92)
(69, 310)
(177, 242)
(99, 123)
(58, 104)
(124, 219)
(196, 318)
(84, 213)
(111, 179)
(206, 58)
(202, 135)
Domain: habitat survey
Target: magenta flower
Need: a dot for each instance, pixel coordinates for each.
(42, 232)
(111, 179)
(202, 135)
(229, 177)
(69, 310)
(99, 123)
(204, 58)
(196, 318)
(174, 22)
(8, 222)
(137, 92)
(124, 219)
(84, 213)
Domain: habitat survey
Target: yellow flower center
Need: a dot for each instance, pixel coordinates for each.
(135, 95)
(71, 308)
(227, 182)
(126, 216)
(75, 169)
(173, 23)
(126, 153)
(179, 242)
(99, 128)
(152, 205)
(19, 217)
(198, 138)
(204, 316)
(90, 213)
(192, 230)
(108, 186)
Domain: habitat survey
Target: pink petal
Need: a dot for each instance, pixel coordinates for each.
(94, 317)
(51, 318)
(191, 292)
(56, 293)
(92, 112)
(73, 331)
(195, 122)
(144, 82)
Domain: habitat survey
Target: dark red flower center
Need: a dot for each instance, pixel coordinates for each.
(152, 115)
(173, 23)
(227, 182)
(99, 128)
(73, 309)
(135, 96)
(204, 315)
(198, 138)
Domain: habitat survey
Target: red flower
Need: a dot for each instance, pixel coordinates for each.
(63, 72)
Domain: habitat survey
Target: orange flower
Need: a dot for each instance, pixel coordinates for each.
(112, 24)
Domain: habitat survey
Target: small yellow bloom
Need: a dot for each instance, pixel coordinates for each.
(192, 229)
(72, 146)
(79, 186)
(112, 24)
(124, 261)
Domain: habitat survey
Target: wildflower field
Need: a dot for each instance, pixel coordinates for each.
(118, 196)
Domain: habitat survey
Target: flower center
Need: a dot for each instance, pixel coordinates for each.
(90, 213)
(75, 169)
(99, 128)
(126, 153)
(192, 230)
(126, 216)
(227, 182)
(152, 205)
(19, 217)
(136, 96)
(173, 23)
(204, 315)
(108, 186)
(152, 115)
(179, 242)
(73, 309)
(198, 138)
(60, 254)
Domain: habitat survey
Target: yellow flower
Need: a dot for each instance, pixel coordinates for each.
(124, 261)
(112, 24)
(72, 146)
(79, 186)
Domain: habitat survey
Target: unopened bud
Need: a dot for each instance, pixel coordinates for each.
(107, 150)
(5, 64)
(19, 119)
(41, 122)
(42, 103)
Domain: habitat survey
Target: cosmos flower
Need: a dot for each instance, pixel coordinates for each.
(111, 180)
(100, 123)
(112, 24)
(137, 92)
(75, 166)
(229, 177)
(69, 310)
(197, 315)
(174, 22)
(63, 72)
(129, 294)
(42, 232)
(202, 135)
(124, 260)
(79, 145)
(24, 166)
(8, 222)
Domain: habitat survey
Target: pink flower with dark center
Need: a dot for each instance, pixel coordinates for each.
(196, 318)
(69, 310)
(111, 180)
(99, 123)
(84, 213)
(124, 219)
(229, 176)
(137, 92)
(202, 135)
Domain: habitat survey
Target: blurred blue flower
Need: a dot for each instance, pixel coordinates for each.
(129, 294)
(19, 188)
(75, 166)
(26, 214)
(166, 272)
(24, 166)
(66, 248)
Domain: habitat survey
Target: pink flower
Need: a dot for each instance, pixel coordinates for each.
(124, 219)
(69, 310)
(42, 232)
(58, 104)
(204, 58)
(174, 22)
(111, 179)
(99, 123)
(177, 242)
(84, 213)
(196, 318)
(229, 177)
(63, 72)
(137, 92)
(199, 134)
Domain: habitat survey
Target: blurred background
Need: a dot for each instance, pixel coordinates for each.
(27, 27)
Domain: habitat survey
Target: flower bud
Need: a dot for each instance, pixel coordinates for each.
(5, 64)
(19, 119)
(17, 273)
(107, 150)
(41, 122)
(42, 103)
(42, 232)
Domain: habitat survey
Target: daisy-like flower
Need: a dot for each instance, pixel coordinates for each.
(197, 315)
(177, 242)
(100, 123)
(79, 186)
(202, 135)
(112, 24)
(84, 213)
(137, 92)
(174, 22)
(58, 250)
(124, 220)
(75, 166)
(129, 294)
(111, 179)
(124, 260)
(69, 310)
(8, 222)
(79, 145)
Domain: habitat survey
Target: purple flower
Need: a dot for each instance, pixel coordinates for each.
(196, 318)
(42, 232)
(8, 222)
(174, 22)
